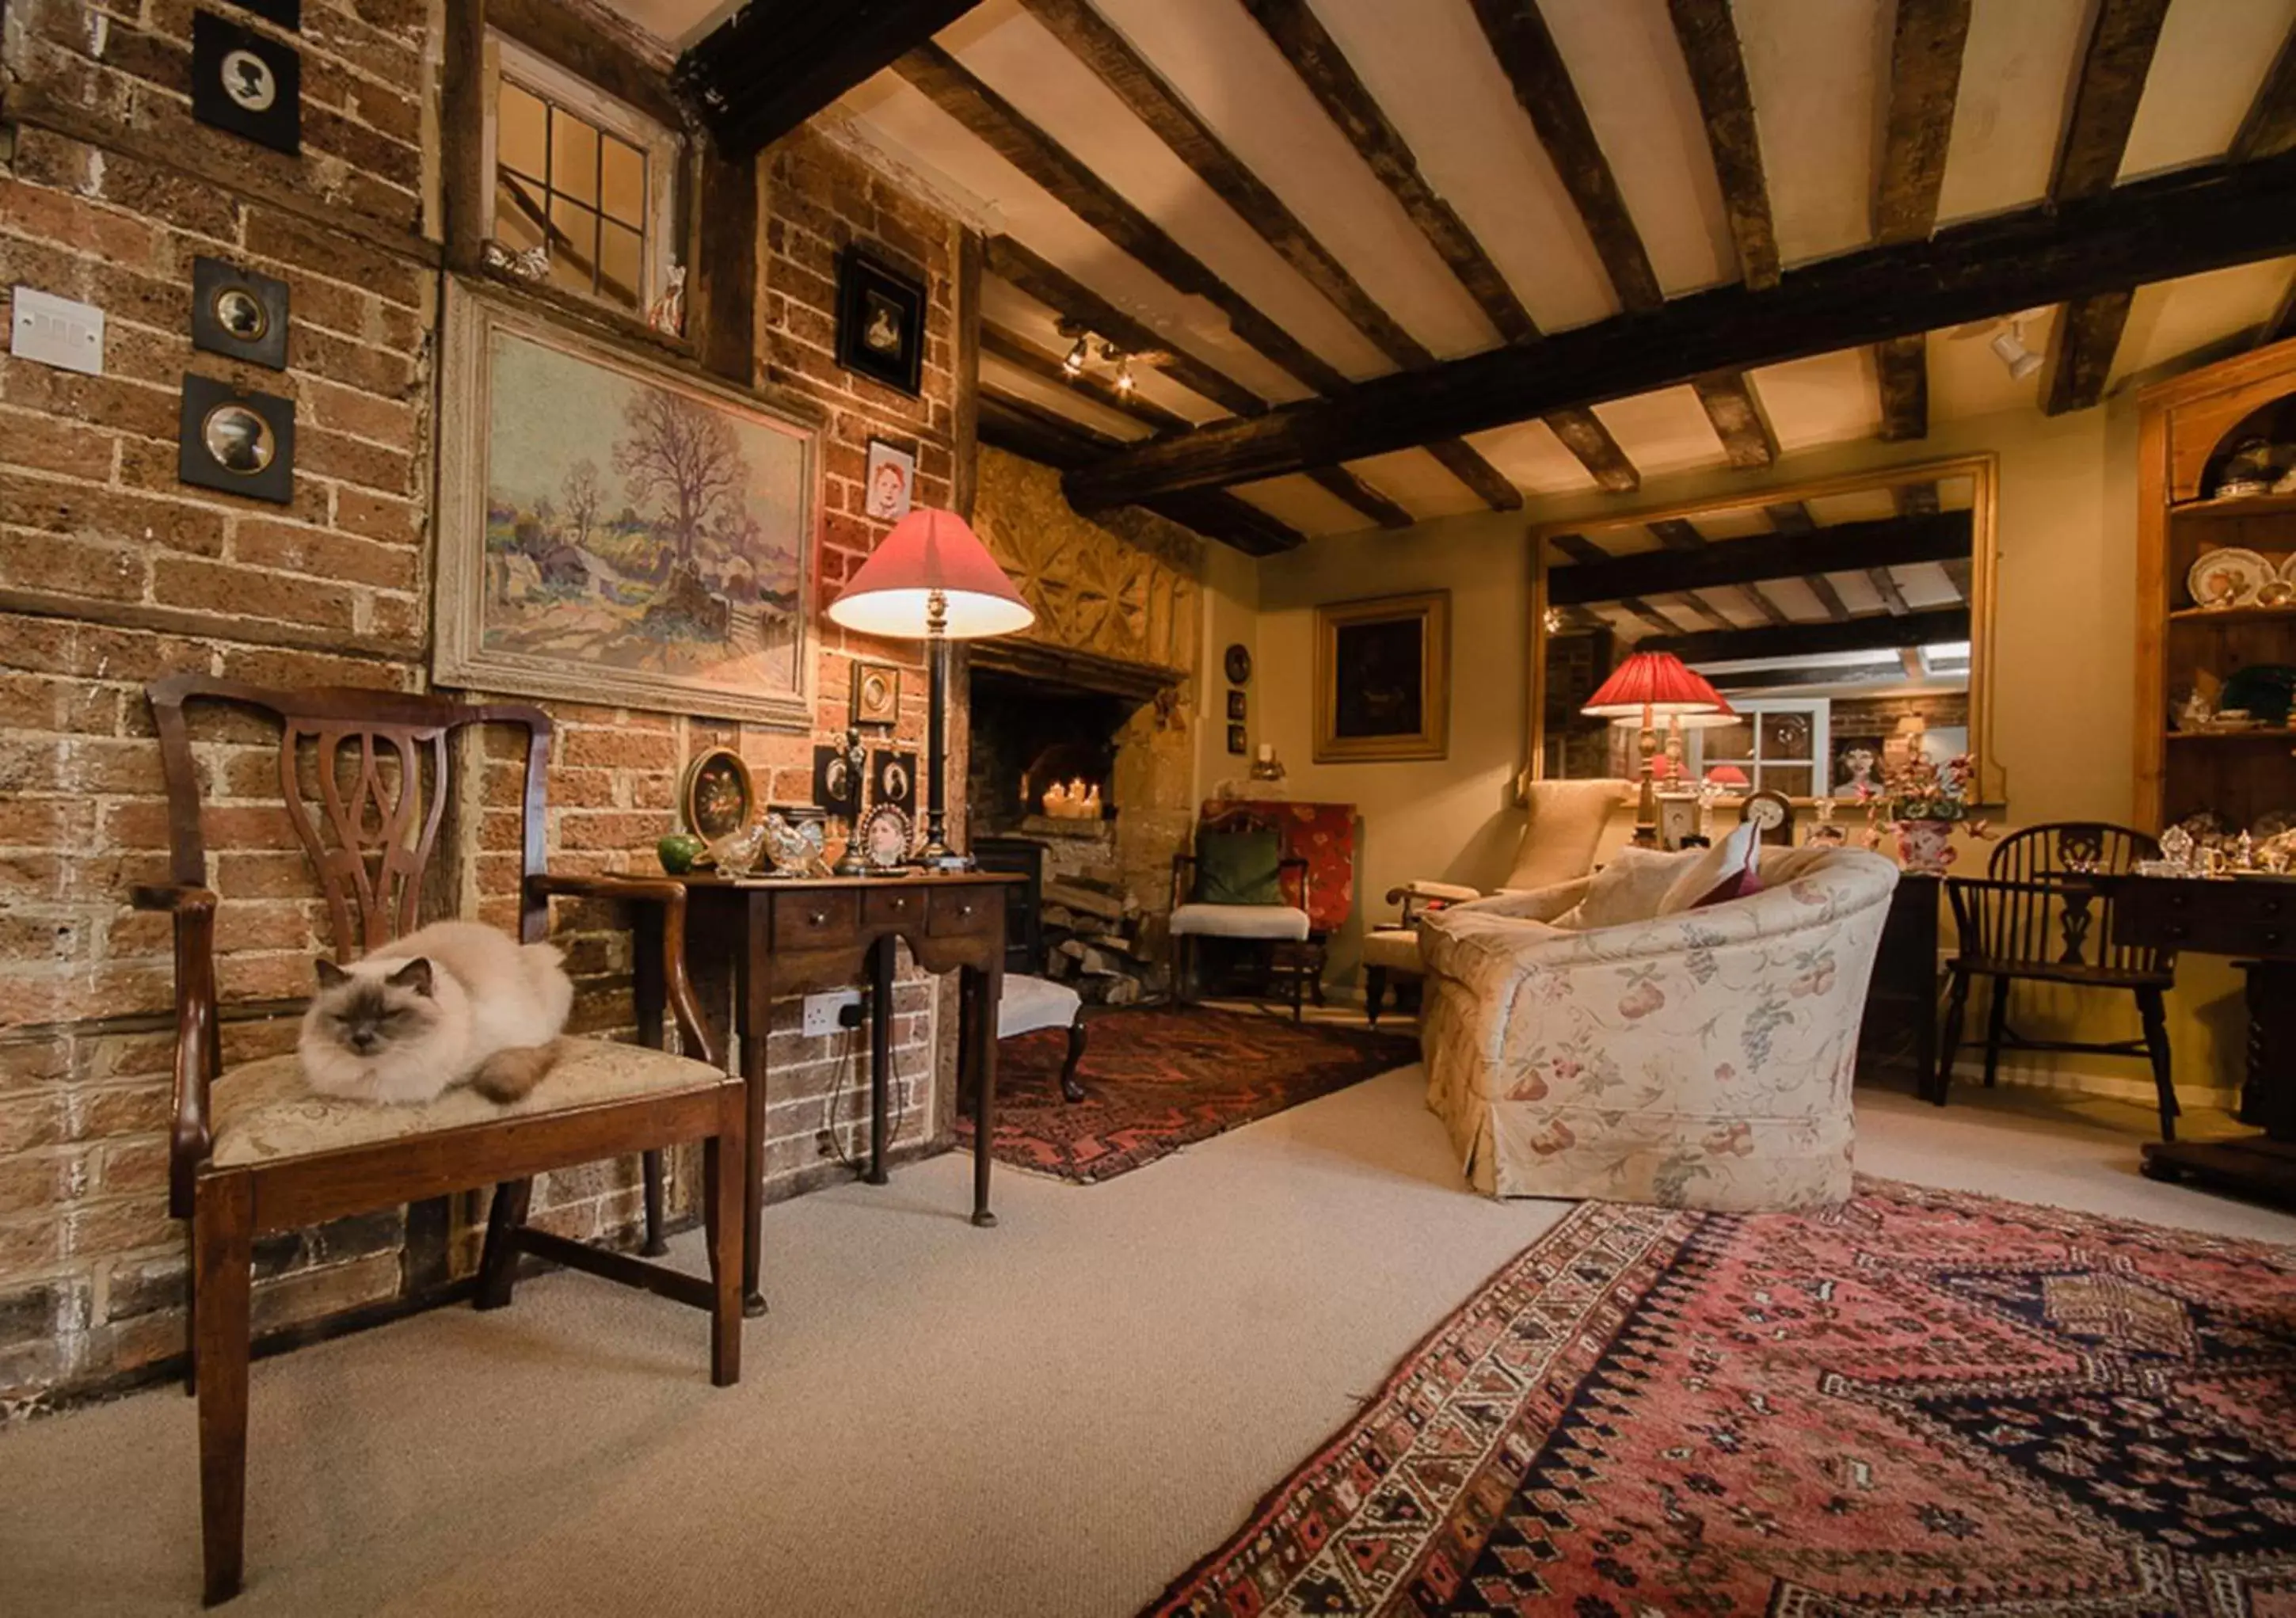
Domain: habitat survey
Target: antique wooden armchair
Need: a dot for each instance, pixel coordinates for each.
(253, 1150)
(1291, 954)
(2035, 918)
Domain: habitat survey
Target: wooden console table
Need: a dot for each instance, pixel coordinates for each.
(797, 937)
(2249, 916)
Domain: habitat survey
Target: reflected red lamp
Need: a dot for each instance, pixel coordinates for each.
(931, 580)
(1647, 687)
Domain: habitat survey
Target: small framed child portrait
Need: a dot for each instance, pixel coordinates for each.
(889, 482)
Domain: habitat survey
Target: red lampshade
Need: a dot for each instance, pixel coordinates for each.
(1727, 774)
(1656, 684)
(931, 550)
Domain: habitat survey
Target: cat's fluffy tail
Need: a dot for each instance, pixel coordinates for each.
(554, 990)
(511, 1075)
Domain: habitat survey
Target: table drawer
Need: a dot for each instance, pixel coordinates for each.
(970, 908)
(902, 907)
(2241, 916)
(800, 919)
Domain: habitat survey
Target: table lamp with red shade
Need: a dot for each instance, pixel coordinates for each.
(1650, 687)
(931, 580)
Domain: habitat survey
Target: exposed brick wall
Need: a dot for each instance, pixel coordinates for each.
(112, 573)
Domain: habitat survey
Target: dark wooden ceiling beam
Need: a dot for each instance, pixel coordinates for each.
(1918, 499)
(1022, 427)
(1677, 534)
(2113, 68)
(1583, 434)
(1294, 29)
(1901, 367)
(1875, 633)
(1957, 574)
(945, 81)
(1065, 295)
(1765, 679)
(1581, 550)
(1016, 350)
(1790, 517)
(1343, 485)
(2155, 229)
(1709, 38)
(1770, 611)
(1845, 547)
(1466, 463)
(1925, 51)
(1737, 415)
(775, 63)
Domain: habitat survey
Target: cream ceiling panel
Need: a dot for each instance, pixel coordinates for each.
(1305, 506)
(1814, 69)
(2206, 70)
(998, 377)
(2017, 74)
(1531, 457)
(1663, 432)
(1827, 399)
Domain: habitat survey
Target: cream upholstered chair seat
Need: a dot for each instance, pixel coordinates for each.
(1602, 1039)
(264, 1111)
(1028, 1004)
(1281, 922)
(1392, 950)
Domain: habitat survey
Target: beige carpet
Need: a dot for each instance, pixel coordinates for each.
(1052, 1418)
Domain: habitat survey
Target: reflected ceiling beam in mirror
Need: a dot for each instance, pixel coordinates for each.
(1829, 598)
(1957, 574)
(1651, 616)
(2121, 40)
(1790, 517)
(1875, 633)
(1709, 40)
(1770, 611)
(949, 86)
(775, 63)
(1917, 499)
(1066, 296)
(1016, 350)
(1580, 549)
(1910, 659)
(1845, 547)
(1677, 534)
(1099, 47)
(1885, 586)
(1804, 675)
(1708, 610)
(1344, 485)
(1576, 621)
(2156, 229)
(1022, 427)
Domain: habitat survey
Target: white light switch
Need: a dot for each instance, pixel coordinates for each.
(56, 331)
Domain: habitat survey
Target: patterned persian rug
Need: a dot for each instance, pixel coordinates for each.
(1157, 1077)
(1918, 1402)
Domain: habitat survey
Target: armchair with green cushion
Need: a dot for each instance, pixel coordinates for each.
(1561, 833)
(1238, 884)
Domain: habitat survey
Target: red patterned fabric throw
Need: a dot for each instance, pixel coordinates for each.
(1919, 1401)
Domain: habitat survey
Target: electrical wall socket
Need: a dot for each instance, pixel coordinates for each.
(56, 331)
(821, 1009)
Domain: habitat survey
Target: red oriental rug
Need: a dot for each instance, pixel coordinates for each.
(1917, 1403)
(1157, 1077)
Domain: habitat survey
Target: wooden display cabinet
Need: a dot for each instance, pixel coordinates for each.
(2189, 427)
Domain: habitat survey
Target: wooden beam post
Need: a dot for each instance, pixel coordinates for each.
(1709, 38)
(965, 429)
(1876, 633)
(726, 295)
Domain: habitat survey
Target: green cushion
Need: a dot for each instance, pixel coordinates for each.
(1239, 868)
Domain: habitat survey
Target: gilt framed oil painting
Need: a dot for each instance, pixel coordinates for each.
(616, 530)
(1383, 678)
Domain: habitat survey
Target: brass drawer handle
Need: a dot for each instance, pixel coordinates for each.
(964, 910)
(816, 919)
(900, 903)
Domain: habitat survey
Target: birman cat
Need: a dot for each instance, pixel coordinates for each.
(455, 1003)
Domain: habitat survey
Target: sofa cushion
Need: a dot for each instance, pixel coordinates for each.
(1563, 826)
(1239, 868)
(1629, 889)
(266, 1111)
(1730, 869)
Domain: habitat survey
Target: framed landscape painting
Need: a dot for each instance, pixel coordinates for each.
(613, 529)
(1383, 678)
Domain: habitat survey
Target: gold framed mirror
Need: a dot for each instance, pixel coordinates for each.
(1847, 619)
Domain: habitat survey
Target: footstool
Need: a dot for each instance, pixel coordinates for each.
(1029, 1003)
(1388, 952)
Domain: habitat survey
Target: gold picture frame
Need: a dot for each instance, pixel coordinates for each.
(876, 699)
(1383, 680)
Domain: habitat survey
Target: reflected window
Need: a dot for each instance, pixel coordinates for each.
(581, 177)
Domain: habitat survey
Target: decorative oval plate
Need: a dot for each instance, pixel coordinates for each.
(2228, 577)
(2288, 566)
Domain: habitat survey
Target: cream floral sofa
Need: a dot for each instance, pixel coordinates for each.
(1580, 1044)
